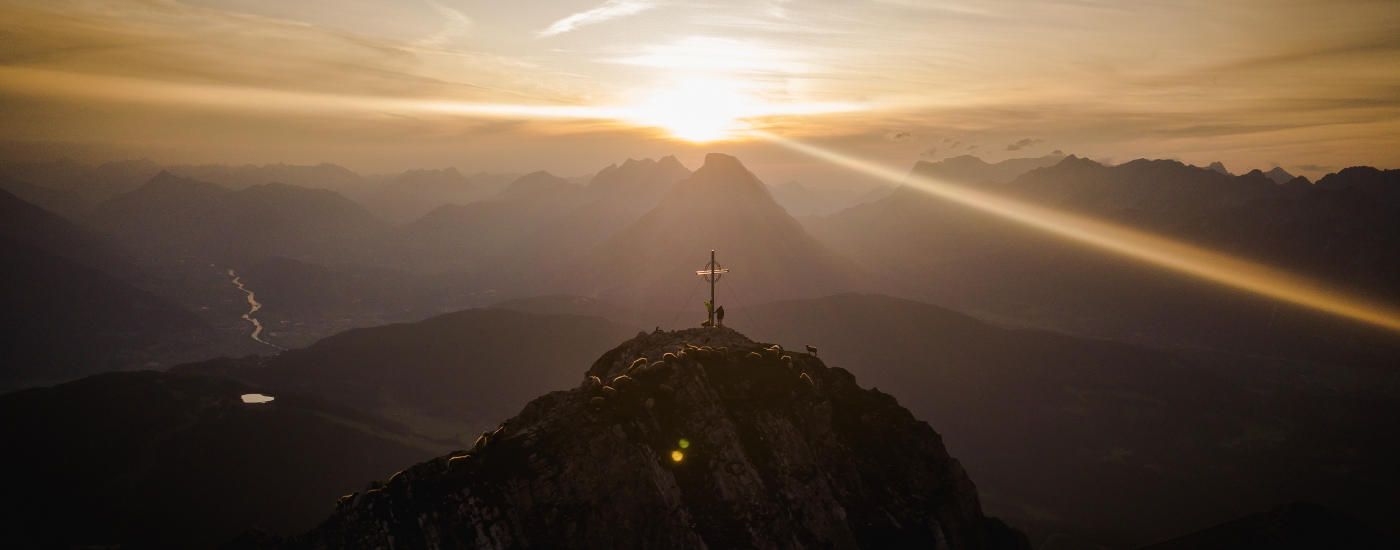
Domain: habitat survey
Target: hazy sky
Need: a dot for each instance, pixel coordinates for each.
(571, 86)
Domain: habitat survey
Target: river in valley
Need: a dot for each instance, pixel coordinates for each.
(253, 307)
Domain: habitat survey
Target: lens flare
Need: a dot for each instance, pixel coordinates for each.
(1123, 241)
(677, 456)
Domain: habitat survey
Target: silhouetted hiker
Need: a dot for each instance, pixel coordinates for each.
(811, 350)
(719, 316)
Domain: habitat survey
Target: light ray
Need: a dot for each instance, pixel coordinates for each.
(1131, 243)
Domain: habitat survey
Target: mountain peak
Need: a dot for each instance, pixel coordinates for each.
(717, 441)
(720, 162)
(1279, 175)
(1217, 166)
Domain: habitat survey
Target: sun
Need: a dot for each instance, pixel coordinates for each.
(697, 110)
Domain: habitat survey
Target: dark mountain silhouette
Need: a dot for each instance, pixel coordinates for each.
(639, 183)
(63, 202)
(970, 169)
(721, 206)
(447, 376)
(1279, 175)
(947, 254)
(1217, 166)
(153, 459)
(538, 223)
(91, 183)
(27, 224)
(474, 237)
(1109, 442)
(1296, 526)
(304, 302)
(770, 453)
(63, 320)
(412, 194)
(538, 186)
(318, 176)
(70, 307)
(176, 217)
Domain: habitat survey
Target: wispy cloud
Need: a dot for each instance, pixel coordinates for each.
(1023, 143)
(612, 9)
(456, 25)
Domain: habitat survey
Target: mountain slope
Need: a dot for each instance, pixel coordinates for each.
(153, 459)
(970, 169)
(768, 456)
(1109, 442)
(939, 252)
(175, 217)
(445, 376)
(62, 320)
(721, 206)
(414, 193)
(22, 222)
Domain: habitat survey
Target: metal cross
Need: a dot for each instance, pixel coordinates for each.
(711, 274)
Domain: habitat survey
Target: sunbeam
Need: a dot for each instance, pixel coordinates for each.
(1127, 242)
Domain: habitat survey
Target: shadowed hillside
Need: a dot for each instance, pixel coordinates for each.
(719, 447)
(445, 376)
(1111, 442)
(155, 459)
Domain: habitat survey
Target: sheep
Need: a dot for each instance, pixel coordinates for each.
(623, 382)
(753, 355)
(592, 382)
(394, 477)
(812, 350)
(345, 501)
(786, 359)
(459, 460)
(774, 351)
(609, 392)
(668, 356)
(500, 431)
(808, 380)
(637, 365)
(482, 441)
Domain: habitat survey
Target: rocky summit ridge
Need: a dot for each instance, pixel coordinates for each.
(698, 438)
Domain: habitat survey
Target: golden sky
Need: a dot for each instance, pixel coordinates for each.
(571, 86)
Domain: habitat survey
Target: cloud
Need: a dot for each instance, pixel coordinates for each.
(1023, 143)
(612, 9)
(1314, 167)
(931, 152)
(456, 25)
(899, 135)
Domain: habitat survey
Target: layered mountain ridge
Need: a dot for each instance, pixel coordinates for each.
(716, 442)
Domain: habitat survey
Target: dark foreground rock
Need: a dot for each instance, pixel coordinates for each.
(720, 444)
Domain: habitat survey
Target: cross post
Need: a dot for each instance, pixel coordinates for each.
(712, 272)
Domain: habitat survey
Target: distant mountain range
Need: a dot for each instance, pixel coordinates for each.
(942, 253)
(721, 206)
(174, 217)
(71, 307)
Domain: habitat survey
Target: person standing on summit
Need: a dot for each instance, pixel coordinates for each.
(719, 316)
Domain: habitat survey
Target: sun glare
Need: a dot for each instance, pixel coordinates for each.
(697, 110)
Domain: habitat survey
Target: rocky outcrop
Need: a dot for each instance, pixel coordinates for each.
(715, 442)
